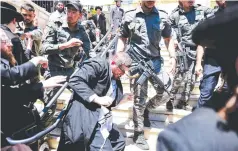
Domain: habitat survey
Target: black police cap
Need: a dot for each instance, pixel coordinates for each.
(77, 6)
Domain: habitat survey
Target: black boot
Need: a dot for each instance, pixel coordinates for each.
(140, 141)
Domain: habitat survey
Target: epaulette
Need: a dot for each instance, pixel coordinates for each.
(130, 10)
(161, 10)
(175, 10)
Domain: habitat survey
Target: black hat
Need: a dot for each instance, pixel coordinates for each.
(9, 10)
(98, 7)
(77, 6)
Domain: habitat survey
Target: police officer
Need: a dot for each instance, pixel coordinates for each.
(59, 12)
(184, 19)
(63, 41)
(116, 15)
(145, 26)
(211, 68)
(209, 129)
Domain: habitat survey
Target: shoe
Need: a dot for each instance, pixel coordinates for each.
(140, 141)
(169, 105)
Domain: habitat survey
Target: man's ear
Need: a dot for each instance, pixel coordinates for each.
(14, 20)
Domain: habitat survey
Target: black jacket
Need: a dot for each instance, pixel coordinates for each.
(16, 94)
(203, 130)
(101, 22)
(17, 48)
(94, 77)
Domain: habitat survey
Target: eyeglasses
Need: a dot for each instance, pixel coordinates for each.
(123, 70)
(7, 41)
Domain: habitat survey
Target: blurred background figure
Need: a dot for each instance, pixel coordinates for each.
(100, 20)
(59, 13)
(116, 15)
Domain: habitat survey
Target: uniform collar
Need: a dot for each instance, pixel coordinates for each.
(32, 27)
(65, 25)
(140, 10)
(181, 10)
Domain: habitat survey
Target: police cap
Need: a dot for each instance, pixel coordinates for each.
(77, 6)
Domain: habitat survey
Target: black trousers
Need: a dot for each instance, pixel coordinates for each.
(114, 142)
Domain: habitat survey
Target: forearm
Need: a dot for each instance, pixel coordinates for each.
(18, 74)
(82, 89)
(200, 53)
(53, 48)
(169, 42)
(121, 44)
(81, 81)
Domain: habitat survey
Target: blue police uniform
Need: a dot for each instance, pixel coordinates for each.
(145, 30)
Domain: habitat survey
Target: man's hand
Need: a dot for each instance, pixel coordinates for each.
(198, 69)
(54, 82)
(104, 101)
(71, 43)
(26, 35)
(173, 66)
(39, 60)
(175, 44)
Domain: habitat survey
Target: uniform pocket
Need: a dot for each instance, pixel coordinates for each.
(138, 24)
(156, 34)
(61, 37)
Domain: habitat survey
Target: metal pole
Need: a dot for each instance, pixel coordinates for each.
(110, 45)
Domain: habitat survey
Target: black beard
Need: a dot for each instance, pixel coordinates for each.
(29, 24)
(60, 10)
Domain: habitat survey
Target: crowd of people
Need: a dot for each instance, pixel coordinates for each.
(36, 62)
